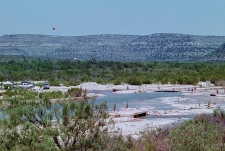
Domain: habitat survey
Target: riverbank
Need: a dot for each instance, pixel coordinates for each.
(180, 108)
(93, 86)
(183, 103)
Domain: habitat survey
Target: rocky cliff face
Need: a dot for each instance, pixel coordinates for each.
(113, 47)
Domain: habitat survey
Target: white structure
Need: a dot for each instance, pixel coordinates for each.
(205, 84)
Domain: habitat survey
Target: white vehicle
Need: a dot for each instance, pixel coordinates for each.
(25, 85)
(46, 86)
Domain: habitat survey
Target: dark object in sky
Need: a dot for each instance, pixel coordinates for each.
(53, 28)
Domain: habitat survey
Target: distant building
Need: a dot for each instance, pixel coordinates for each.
(205, 84)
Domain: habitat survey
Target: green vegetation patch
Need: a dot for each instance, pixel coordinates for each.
(135, 73)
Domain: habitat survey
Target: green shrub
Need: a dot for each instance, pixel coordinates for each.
(117, 82)
(196, 135)
(76, 92)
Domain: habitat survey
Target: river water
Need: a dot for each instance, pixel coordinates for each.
(163, 102)
(171, 105)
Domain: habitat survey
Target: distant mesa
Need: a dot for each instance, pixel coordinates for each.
(113, 47)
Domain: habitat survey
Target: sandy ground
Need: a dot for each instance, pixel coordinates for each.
(132, 126)
(126, 88)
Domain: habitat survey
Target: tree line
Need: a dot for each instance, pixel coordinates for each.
(70, 72)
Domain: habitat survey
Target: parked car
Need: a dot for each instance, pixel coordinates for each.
(46, 86)
(31, 83)
(25, 84)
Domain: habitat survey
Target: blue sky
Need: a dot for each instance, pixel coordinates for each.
(131, 17)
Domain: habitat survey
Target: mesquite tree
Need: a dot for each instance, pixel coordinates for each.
(39, 124)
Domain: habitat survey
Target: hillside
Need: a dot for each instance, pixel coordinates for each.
(218, 54)
(112, 47)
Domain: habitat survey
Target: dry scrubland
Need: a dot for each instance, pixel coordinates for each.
(77, 125)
